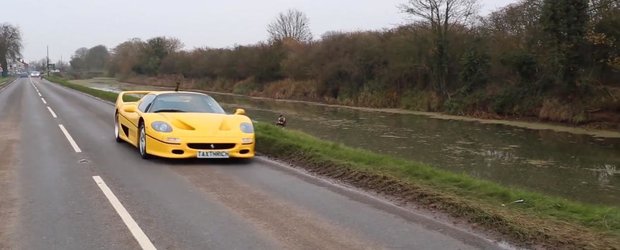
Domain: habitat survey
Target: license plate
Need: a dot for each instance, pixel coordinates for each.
(212, 154)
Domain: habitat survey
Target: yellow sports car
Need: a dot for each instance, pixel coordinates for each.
(174, 124)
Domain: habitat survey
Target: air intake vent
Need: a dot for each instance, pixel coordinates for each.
(211, 146)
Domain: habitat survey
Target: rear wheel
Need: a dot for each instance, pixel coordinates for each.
(142, 142)
(117, 131)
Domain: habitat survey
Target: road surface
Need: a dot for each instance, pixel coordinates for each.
(65, 184)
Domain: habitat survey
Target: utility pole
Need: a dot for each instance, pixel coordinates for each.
(47, 59)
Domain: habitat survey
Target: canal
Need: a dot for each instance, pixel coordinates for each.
(574, 166)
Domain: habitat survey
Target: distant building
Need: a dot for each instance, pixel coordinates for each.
(17, 67)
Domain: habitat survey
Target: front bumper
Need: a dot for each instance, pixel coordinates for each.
(235, 147)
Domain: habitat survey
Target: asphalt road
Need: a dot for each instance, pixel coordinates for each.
(65, 184)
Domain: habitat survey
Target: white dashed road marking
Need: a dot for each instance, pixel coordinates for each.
(131, 224)
(52, 112)
(70, 139)
(43, 99)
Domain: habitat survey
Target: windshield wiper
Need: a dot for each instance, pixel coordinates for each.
(168, 111)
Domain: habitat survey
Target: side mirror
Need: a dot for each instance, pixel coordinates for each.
(240, 112)
(130, 109)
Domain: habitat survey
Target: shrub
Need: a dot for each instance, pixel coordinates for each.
(558, 111)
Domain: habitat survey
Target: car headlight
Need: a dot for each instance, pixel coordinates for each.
(172, 140)
(246, 127)
(161, 127)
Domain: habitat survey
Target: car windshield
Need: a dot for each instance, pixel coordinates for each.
(185, 102)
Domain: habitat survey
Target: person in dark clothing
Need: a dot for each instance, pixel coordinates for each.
(281, 121)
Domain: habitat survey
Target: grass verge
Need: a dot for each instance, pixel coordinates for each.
(4, 80)
(105, 95)
(539, 220)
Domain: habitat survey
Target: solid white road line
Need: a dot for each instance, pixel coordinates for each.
(70, 139)
(136, 231)
(43, 99)
(52, 112)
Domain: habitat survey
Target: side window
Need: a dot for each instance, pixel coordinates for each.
(146, 101)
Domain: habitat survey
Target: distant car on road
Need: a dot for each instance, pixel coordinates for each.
(35, 74)
(23, 74)
(175, 124)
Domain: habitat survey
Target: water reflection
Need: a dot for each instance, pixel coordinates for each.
(605, 174)
(556, 163)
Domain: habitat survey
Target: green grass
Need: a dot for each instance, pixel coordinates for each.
(541, 218)
(3, 80)
(105, 95)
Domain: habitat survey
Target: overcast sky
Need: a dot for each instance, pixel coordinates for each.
(66, 25)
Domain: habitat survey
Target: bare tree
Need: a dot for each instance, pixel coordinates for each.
(93, 59)
(517, 19)
(154, 52)
(97, 58)
(62, 65)
(441, 15)
(125, 56)
(39, 65)
(10, 45)
(598, 8)
(292, 24)
(78, 60)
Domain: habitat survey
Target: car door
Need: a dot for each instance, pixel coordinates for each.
(130, 117)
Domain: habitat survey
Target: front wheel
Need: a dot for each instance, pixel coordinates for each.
(117, 136)
(142, 142)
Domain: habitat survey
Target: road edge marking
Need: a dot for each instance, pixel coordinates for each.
(70, 139)
(131, 224)
(43, 100)
(52, 112)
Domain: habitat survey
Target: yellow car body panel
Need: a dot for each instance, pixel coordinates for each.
(191, 132)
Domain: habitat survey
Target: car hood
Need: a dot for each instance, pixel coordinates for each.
(205, 124)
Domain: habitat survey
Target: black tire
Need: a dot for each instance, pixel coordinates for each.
(142, 142)
(117, 129)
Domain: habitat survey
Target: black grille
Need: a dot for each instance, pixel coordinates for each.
(211, 146)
